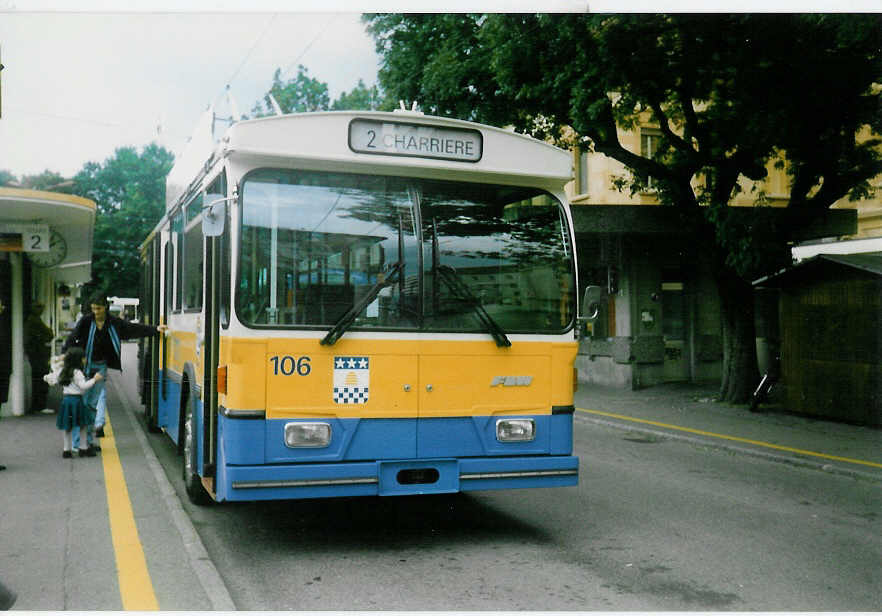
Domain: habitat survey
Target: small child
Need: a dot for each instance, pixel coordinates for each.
(73, 412)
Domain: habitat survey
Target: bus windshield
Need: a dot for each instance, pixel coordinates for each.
(410, 254)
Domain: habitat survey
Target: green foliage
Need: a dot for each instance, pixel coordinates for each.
(302, 93)
(7, 178)
(729, 93)
(129, 190)
(438, 60)
(48, 180)
(360, 97)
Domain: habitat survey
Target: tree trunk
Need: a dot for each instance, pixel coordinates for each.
(740, 371)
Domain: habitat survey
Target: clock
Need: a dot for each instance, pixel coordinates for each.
(52, 257)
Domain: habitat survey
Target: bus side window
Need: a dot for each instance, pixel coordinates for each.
(192, 261)
(177, 228)
(168, 286)
(225, 255)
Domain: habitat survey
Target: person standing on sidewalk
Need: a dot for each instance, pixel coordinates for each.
(100, 334)
(73, 411)
(37, 337)
(5, 352)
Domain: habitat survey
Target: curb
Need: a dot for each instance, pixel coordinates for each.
(707, 442)
(200, 562)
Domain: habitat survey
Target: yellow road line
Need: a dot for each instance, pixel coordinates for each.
(737, 439)
(135, 586)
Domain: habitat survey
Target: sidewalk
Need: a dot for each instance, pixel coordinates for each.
(57, 547)
(689, 412)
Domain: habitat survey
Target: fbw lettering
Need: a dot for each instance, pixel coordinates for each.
(511, 381)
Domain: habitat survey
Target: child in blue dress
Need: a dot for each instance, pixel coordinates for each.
(73, 411)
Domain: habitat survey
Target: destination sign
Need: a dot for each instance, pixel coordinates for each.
(419, 140)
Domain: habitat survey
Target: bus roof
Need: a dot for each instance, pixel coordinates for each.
(332, 138)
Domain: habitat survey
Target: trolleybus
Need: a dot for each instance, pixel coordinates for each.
(363, 303)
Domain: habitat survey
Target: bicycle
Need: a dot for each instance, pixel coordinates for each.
(762, 391)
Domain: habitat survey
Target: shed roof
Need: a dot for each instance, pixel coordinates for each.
(870, 262)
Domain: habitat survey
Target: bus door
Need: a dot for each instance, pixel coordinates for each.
(210, 354)
(150, 367)
(216, 306)
(167, 290)
(5, 328)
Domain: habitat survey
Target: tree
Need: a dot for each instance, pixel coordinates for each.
(129, 190)
(305, 93)
(48, 180)
(361, 97)
(440, 61)
(302, 93)
(729, 92)
(7, 178)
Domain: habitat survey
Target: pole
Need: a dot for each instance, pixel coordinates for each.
(17, 378)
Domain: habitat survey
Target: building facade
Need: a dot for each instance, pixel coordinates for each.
(660, 318)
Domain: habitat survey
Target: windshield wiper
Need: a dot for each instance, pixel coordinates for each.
(455, 283)
(347, 319)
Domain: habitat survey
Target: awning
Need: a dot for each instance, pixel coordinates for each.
(71, 217)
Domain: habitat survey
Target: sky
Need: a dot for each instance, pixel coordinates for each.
(84, 77)
(76, 86)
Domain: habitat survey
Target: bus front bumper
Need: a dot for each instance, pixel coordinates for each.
(394, 477)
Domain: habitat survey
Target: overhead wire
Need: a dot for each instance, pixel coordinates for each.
(253, 47)
(260, 38)
(311, 43)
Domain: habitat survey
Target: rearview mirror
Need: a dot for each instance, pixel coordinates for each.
(591, 302)
(213, 214)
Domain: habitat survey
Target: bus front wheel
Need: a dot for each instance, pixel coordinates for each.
(192, 482)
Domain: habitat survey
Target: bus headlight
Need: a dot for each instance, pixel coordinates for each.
(515, 430)
(311, 434)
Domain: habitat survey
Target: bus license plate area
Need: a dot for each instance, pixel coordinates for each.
(418, 477)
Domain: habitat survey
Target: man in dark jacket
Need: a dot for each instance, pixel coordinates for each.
(37, 338)
(100, 334)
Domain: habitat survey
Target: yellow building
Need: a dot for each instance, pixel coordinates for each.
(869, 210)
(660, 317)
(594, 175)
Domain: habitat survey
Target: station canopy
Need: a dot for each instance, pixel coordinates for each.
(59, 222)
